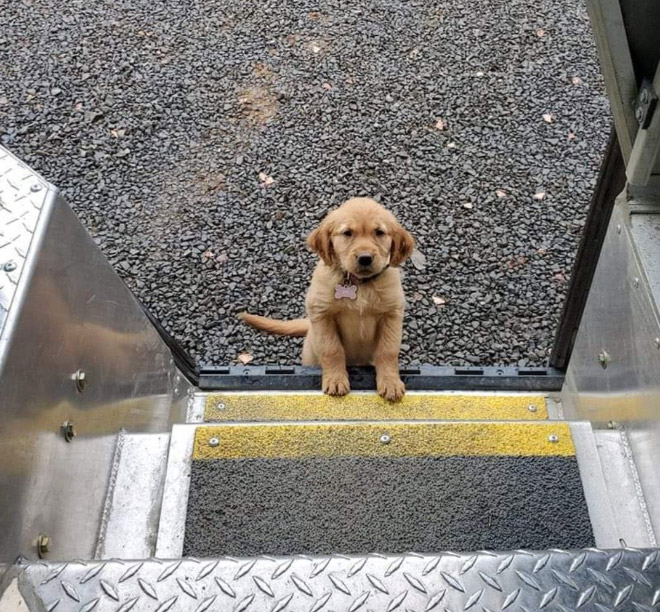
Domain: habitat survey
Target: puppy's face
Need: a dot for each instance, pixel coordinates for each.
(362, 238)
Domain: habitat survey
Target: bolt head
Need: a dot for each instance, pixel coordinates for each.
(604, 358)
(385, 439)
(81, 380)
(68, 430)
(532, 408)
(9, 266)
(554, 438)
(43, 545)
(213, 442)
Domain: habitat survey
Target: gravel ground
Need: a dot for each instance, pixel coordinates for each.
(200, 141)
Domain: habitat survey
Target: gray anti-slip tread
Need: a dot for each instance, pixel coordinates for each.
(350, 505)
(557, 580)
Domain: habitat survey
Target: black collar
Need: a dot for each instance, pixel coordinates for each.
(351, 279)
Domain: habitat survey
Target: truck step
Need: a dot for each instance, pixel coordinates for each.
(313, 406)
(385, 487)
(586, 580)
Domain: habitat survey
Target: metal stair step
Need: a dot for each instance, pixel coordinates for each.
(313, 406)
(383, 486)
(590, 580)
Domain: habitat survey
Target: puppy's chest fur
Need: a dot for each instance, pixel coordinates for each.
(357, 320)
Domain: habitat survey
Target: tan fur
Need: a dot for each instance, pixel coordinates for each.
(365, 331)
(296, 327)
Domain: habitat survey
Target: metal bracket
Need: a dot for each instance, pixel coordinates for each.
(645, 104)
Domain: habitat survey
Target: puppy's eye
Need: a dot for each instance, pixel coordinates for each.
(348, 233)
(380, 232)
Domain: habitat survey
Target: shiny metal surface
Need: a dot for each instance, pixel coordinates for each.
(607, 533)
(589, 580)
(621, 319)
(23, 196)
(133, 501)
(623, 498)
(172, 526)
(68, 312)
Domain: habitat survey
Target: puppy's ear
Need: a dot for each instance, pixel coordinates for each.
(320, 242)
(402, 245)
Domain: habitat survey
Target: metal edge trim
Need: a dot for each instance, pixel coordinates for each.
(603, 523)
(29, 266)
(172, 522)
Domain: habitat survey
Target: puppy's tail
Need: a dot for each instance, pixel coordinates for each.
(296, 327)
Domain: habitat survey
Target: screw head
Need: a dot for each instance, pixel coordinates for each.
(80, 379)
(68, 430)
(36, 187)
(9, 266)
(604, 358)
(385, 439)
(554, 438)
(213, 442)
(532, 408)
(220, 406)
(43, 545)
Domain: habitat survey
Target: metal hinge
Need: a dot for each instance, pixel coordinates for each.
(645, 104)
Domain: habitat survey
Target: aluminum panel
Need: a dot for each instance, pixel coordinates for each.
(69, 314)
(589, 580)
(613, 378)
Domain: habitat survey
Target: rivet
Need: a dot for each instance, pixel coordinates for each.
(68, 430)
(532, 408)
(214, 442)
(35, 187)
(604, 358)
(554, 438)
(385, 439)
(9, 266)
(80, 379)
(220, 406)
(43, 545)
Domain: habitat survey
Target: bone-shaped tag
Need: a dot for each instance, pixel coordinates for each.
(345, 291)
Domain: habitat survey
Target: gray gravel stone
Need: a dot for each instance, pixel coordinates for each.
(162, 122)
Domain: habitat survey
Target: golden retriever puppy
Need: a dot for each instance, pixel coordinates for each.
(355, 301)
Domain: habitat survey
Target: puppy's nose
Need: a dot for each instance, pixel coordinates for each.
(364, 259)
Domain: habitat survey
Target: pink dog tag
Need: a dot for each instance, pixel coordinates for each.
(345, 291)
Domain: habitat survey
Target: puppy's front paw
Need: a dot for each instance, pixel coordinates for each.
(336, 384)
(392, 389)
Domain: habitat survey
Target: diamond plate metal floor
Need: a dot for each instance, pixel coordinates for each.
(585, 580)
